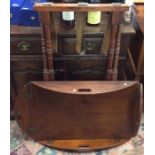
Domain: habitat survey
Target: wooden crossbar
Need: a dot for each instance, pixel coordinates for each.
(80, 7)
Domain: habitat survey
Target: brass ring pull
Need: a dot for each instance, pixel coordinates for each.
(24, 46)
(90, 45)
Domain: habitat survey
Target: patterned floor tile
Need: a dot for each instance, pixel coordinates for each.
(14, 142)
(21, 150)
(46, 151)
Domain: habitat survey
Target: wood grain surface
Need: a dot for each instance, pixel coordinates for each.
(83, 110)
(58, 7)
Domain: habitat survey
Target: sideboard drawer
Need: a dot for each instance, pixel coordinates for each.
(91, 45)
(67, 45)
(25, 45)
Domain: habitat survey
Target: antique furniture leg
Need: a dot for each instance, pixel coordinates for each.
(49, 45)
(116, 54)
(114, 29)
(44, 55)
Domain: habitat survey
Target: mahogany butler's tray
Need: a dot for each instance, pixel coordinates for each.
(81, 115)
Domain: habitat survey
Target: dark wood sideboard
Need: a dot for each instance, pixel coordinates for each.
(26, 56)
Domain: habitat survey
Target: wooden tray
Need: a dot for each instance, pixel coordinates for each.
(80, 115)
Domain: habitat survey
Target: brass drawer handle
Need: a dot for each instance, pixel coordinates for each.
(24, 46)
(90, 45)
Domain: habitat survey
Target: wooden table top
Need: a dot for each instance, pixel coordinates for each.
(16, 29)
(24, 30)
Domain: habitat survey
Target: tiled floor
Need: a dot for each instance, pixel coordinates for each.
(20, 146)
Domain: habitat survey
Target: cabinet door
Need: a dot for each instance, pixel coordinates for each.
(85, 67)
(13, 93)
(26, 69)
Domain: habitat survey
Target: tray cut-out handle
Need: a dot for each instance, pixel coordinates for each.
(84, 90)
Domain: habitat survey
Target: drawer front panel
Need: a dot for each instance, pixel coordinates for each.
(25, 45)
(67, 46)
(89, 46)
(92, 45)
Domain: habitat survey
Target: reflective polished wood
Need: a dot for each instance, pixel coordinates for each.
(80, 115)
